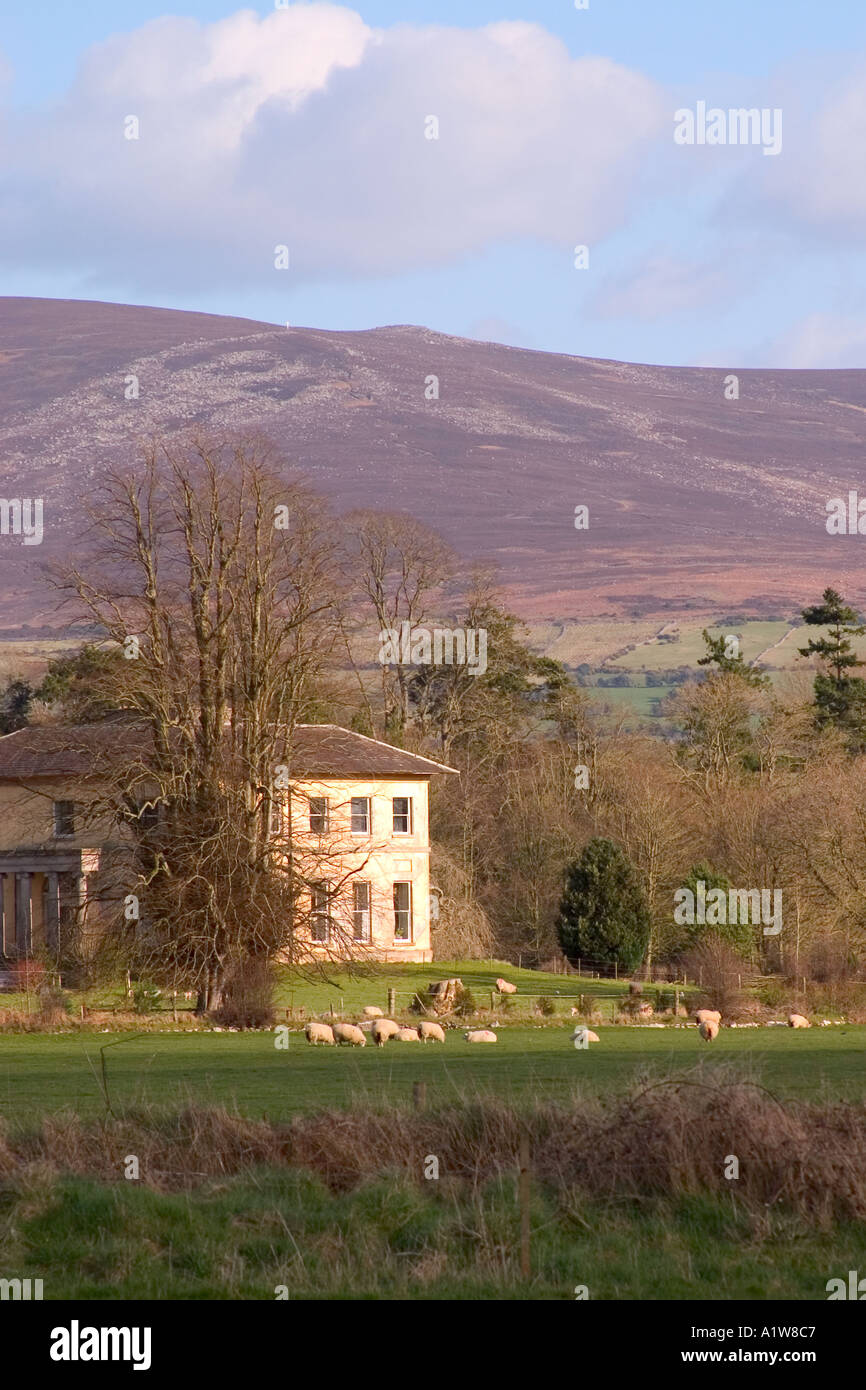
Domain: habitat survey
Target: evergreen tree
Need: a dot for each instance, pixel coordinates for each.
(840, 696)
(15, 705)
(717, 655)
(604, 915)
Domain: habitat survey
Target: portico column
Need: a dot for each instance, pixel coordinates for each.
(23, 915)
(52, 911)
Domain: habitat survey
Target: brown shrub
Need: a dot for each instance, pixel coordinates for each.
(719, 970)
(248, 999)
(663, 1140)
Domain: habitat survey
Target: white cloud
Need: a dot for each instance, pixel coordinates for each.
(663, 285)
(821, 340)
(819, 180)
(306, 127)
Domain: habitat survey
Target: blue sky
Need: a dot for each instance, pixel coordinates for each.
(305, 127)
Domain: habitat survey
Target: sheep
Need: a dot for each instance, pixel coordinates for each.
(584, 1032)
(708, 1016)
(407, 1035)
(798, 1021)
(505, 988)
(372, 1011)
(431, 1031)
(479, 1035)
(319, 1033)
(383, 1029)
(349, 1033)
(708, 1029)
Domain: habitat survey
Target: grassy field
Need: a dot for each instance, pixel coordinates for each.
(349, 992)
(246, 1237)
(44, 1073)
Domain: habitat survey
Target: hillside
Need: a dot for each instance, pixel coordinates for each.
(694, 500)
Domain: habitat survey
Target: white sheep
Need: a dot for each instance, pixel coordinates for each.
(383, 1029)
(319, 1033)
(372, 1011)
(584, 1032)
(798, 1021)
(431, 1031)
(708, 1029)
(407, 1035)
(349, 1033)
(505, 987)
(480, 1035)
(708, 1016)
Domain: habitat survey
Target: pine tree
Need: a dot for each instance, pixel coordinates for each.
(840, 697)
(604, 915)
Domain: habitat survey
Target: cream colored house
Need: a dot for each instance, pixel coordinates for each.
(353, 812)
(358, 811)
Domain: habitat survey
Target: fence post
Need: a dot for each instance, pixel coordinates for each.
(174, 1004)
(419, 1094)
(392, 1002)
(492, 1000)
(525, 1267)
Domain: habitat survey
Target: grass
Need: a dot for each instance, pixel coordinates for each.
(630, 1199)
(392, 1239)
(47, 1073)
(370, 985)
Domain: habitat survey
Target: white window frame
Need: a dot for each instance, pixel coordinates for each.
(364, 913)
(276, 815)
(401, 911)
(318, 914)
(369, 826)
(409, 818)
(58, 833)
(326, 815)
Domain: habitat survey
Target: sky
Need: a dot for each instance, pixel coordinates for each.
(441, 163)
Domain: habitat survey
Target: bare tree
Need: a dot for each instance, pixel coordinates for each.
(216, 579)
(401, 566)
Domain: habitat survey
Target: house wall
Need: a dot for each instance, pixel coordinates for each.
(381, 857)
(27, 817)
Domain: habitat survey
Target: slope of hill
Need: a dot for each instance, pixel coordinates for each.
(694, 500)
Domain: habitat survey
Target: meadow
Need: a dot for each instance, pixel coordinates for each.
(45, 1073)
(297, 1172)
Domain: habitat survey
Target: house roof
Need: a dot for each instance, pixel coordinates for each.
(323, 750)
(315, 751)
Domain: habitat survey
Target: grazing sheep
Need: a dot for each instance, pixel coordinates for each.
(371, 1011)
(798, 1021)
(349, 1033)
(432, 1031)
(319, 1033)
(407, 1035)
(708, 1029)
(708, 1016)
(505, 987)
(480, 1035)
(383, 1029)
(590, 1035)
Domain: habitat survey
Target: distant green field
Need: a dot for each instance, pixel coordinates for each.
(42, 1073)
(689, 646)
(640, 699)
(349, 993)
